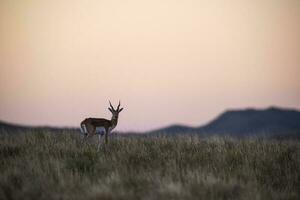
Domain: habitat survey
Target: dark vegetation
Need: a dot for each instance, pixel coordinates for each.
(43, 165)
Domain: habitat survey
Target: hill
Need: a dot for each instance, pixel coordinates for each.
(253, 121)
(6, 127)
(245, 122)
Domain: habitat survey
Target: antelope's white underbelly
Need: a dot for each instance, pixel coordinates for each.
(101, 130)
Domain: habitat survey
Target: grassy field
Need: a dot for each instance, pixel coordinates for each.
(43, 165)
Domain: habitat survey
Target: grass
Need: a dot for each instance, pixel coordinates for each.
(43, 165)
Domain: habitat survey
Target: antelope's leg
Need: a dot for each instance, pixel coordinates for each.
(85, 135)
(90, 131)
(99, 141)
(106, 135)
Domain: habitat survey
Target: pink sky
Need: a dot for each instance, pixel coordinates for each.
(167, 61)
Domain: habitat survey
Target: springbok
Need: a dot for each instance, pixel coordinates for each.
(91, 126)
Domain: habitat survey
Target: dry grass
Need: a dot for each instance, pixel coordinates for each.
(42, 165)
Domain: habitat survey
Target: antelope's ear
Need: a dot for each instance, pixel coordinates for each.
(110, 109)
(120, 110)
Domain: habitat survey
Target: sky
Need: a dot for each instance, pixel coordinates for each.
(168, 61)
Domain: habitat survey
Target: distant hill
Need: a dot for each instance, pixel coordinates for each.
(243, 123)
(174, 129)
(6, 127)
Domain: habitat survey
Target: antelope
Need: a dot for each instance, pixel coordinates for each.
(91, 126)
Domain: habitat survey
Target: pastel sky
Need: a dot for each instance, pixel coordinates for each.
(168, 61)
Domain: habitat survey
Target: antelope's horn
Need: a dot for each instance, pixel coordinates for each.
(119, 105)
(111, 106)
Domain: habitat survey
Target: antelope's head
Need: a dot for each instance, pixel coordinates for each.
(115, 112)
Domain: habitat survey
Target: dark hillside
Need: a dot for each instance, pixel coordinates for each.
(271, 121)
(253, 121)
(16, 128)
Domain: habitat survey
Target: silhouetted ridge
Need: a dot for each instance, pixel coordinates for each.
(244, 122)
(174, 129)
(252, 121)
(6, 127)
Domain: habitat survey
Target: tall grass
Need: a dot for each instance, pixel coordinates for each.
(42, 165)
